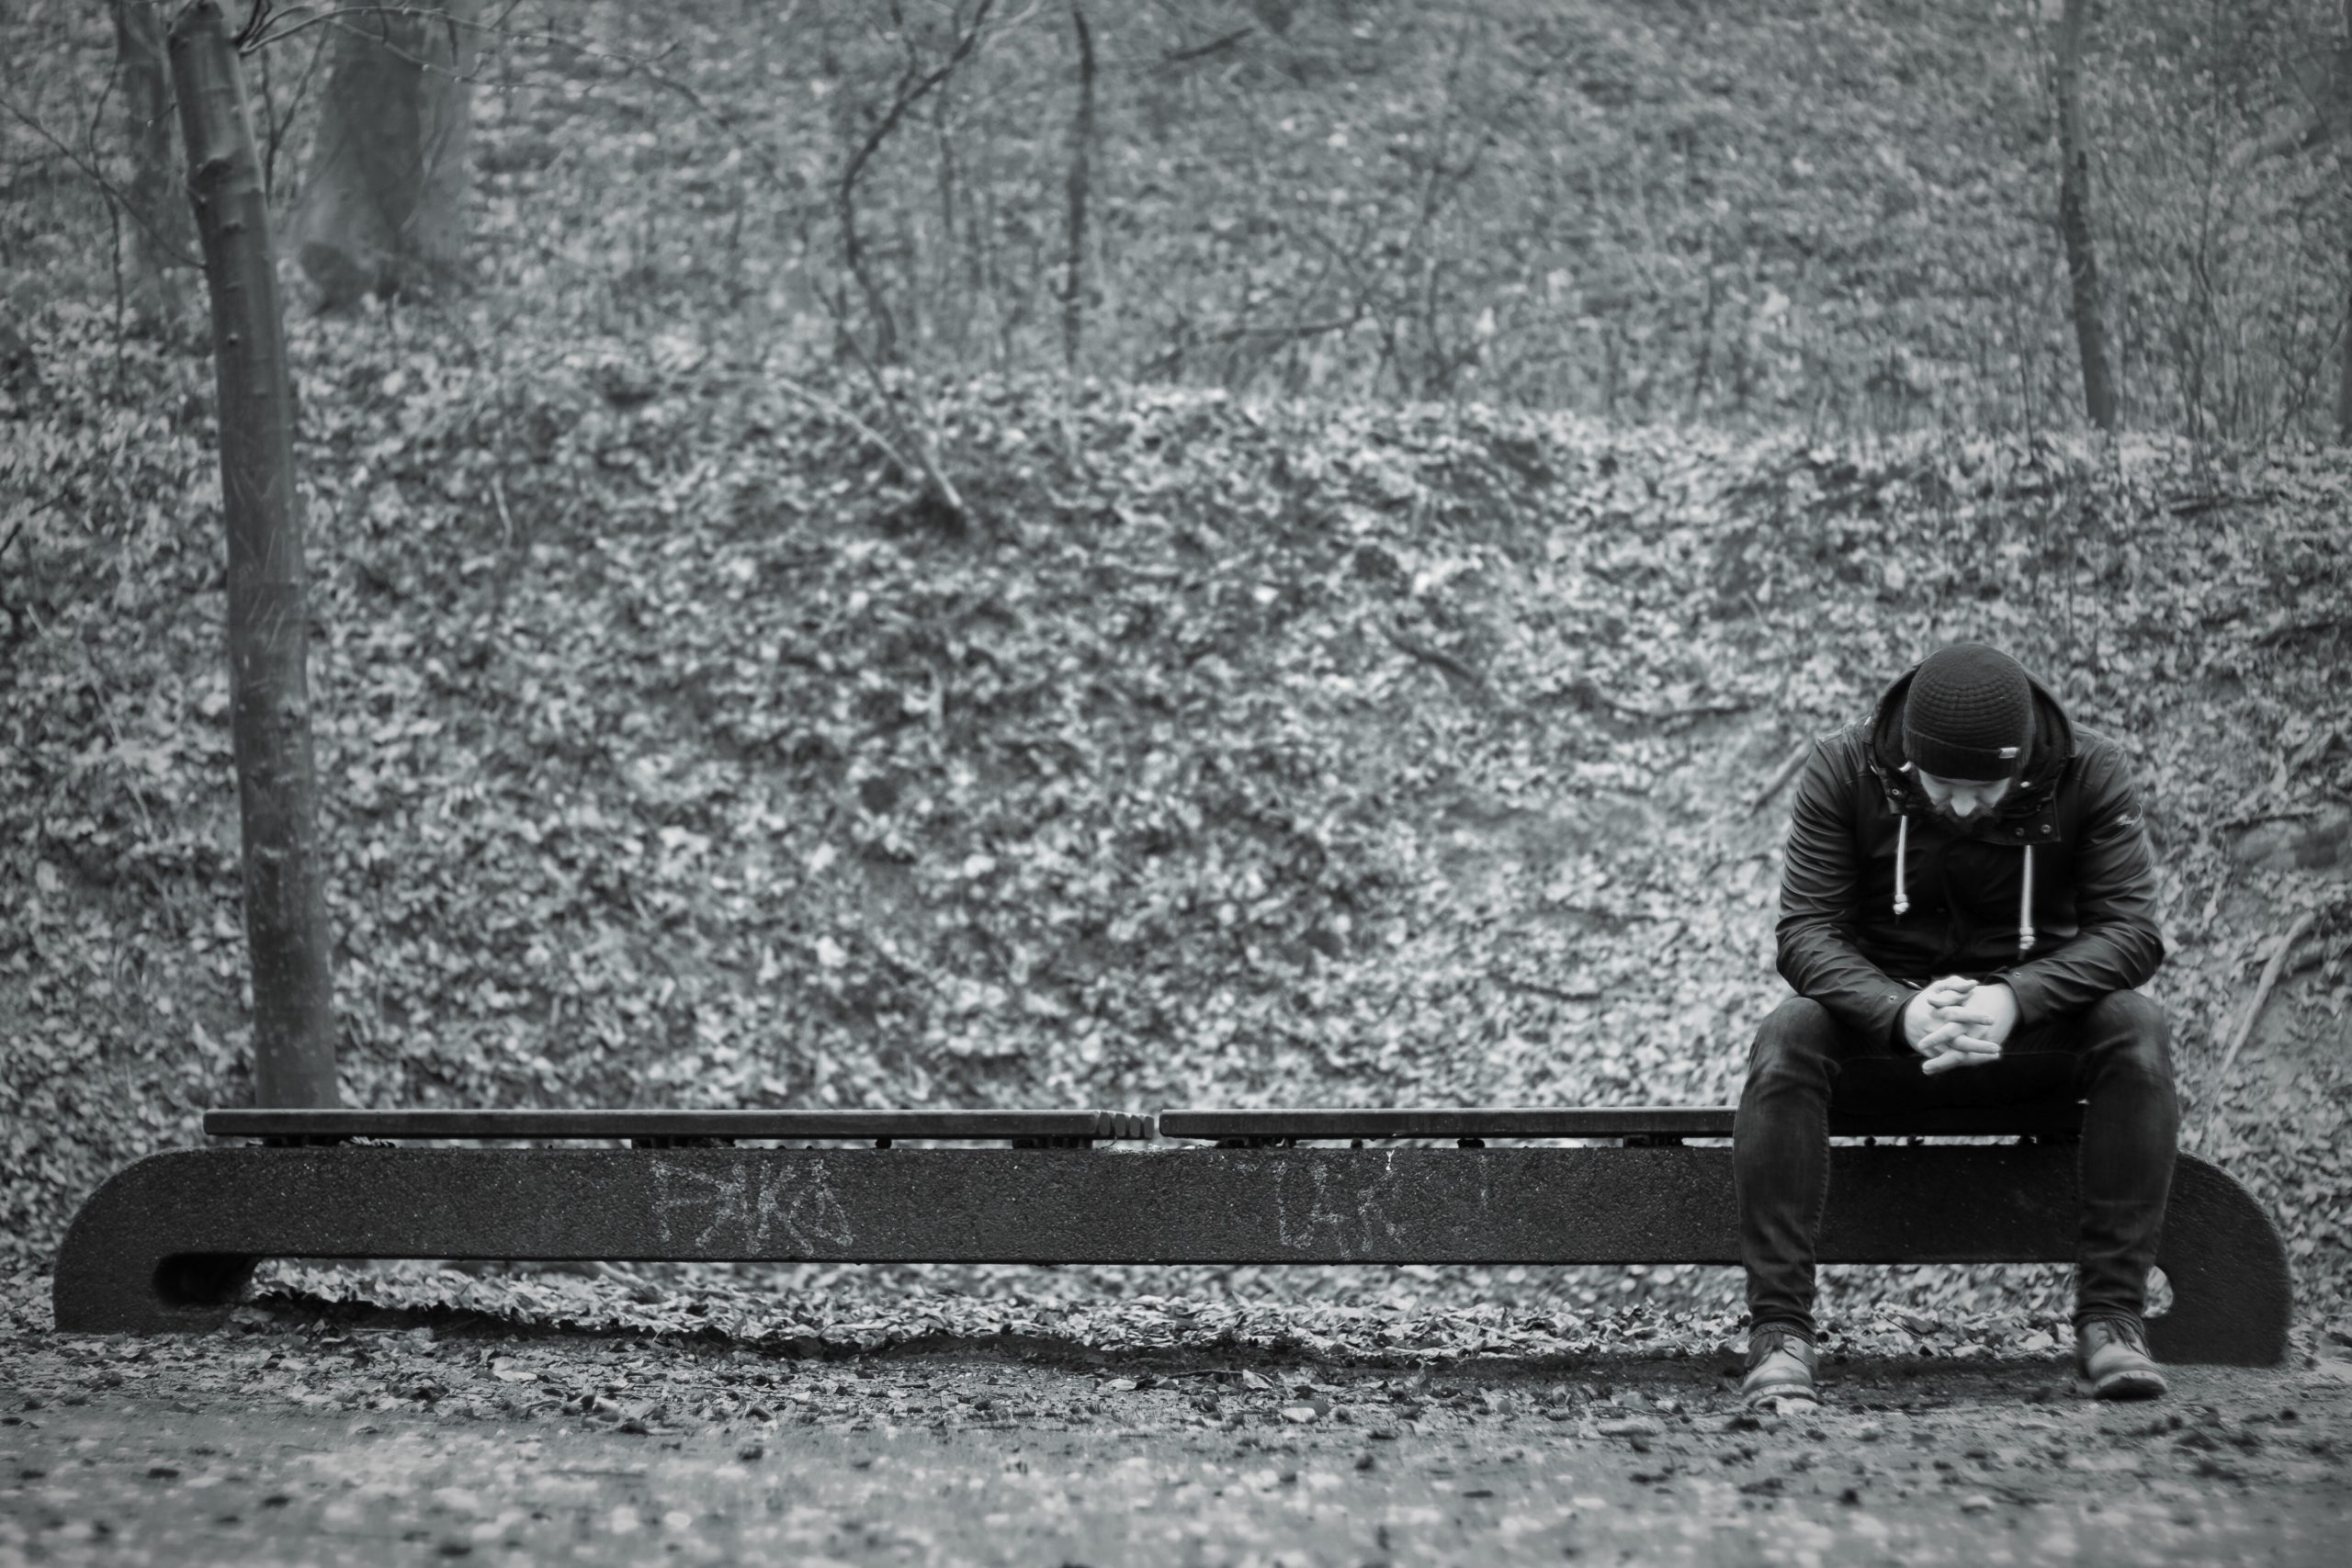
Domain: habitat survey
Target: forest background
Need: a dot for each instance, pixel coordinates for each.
(1193, 553)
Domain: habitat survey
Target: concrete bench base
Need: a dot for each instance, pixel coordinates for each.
(167, 1243)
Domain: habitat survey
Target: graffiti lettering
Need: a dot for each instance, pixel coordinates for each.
(751, 1209)
(1351, 1221)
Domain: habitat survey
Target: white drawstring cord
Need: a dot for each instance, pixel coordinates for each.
(2025, 906)
(2025, 888)
(1902, 845)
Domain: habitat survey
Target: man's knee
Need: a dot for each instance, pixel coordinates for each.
(1800, 1034)
(2134, 1029)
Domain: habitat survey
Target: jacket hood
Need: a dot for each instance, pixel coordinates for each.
(2025, 809)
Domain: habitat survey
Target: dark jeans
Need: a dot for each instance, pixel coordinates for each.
(2115, 1054)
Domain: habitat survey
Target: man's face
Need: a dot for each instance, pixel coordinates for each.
(1962, 800)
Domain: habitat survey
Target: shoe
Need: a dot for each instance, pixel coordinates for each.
(1779, 1372)
(2113, 1355)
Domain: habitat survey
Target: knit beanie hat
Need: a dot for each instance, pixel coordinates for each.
(1969, 713)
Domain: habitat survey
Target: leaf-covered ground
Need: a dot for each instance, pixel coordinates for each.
(915, 1416)
(671, 752)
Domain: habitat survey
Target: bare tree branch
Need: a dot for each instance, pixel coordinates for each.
(912, 89)
(926, 469)
(1201, 51)
(114, 193)
(832, 410)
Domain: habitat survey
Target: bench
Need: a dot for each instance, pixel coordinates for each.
(168, 1243)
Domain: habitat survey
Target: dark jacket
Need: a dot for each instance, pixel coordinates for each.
(2092, 910)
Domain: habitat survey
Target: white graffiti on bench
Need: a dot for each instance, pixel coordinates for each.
(761, 1204)
(1351, 1220)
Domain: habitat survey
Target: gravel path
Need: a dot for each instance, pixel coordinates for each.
(300, 1443)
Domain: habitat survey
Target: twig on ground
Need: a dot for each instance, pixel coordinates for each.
(1692, 710)
(2191, 505)
(1586, 695)
(1201, 51)
(1787, 771)
(2293, 629)
(2302, 756)
(1557, 993)
(827, 406)
(1458, 674)
(2270, 972)
(505, 518)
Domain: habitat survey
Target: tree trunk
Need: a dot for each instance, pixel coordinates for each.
(157, 242)
(2340, 110)
(2075, 219)
(384, 207)
(1081, 141)
(2344, 377)
(285, 925)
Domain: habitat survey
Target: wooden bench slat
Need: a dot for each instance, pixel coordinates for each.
(674, 1123)
(2055, 1118)
(1447, 1122)
(1298, 1122)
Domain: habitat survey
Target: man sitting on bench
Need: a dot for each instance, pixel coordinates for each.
(1967, 903)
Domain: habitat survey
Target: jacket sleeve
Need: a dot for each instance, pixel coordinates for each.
(2116, 943)
(1821, 892)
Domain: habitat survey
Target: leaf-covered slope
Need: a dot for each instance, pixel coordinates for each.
(670, 754)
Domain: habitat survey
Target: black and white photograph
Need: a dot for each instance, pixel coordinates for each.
(1246, 783)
